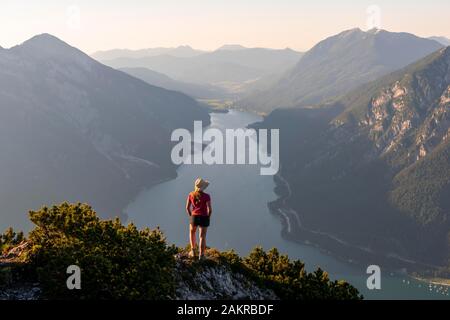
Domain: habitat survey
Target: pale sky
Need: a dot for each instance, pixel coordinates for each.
(93, 25)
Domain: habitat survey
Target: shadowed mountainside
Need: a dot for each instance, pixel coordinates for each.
(373, 168)
(339, 64)
(74, 129)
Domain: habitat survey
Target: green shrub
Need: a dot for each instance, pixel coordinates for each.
(10, 238)
(116, 261)
(122, 262)
(289, 279)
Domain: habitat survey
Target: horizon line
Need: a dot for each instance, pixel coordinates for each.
(218, 48)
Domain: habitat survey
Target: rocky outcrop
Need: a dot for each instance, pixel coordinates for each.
(21, 292)
(195, 280)
(411, 116)
(11, 286)
(207, 280)
(15, 253)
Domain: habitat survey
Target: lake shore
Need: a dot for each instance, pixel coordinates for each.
(294, 230)
(435, 281)
(257, 225)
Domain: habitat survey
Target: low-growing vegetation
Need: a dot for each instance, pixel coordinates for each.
(122, 262)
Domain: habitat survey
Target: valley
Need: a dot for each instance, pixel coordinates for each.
(362, 173)
(72, 129)
(241, 218)
(378, 159)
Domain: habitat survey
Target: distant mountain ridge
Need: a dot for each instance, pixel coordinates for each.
(443, 40)
(338, 64)
(372, 169)
(180, 52)
(231, 47)
(223, 67)
(64, 118)
(161, 80)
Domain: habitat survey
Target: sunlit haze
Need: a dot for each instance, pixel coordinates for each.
(207, 24)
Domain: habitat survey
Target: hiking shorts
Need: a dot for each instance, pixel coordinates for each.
(200, 221)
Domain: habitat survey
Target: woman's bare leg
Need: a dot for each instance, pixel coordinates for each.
(192, 236)
(202, 240)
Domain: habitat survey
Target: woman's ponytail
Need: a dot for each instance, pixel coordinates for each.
(196, 194)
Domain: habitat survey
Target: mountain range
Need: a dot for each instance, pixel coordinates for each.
(338, 64)
(368, 173)
(180, 51)
(200, 91)
(74, 129)
(364, 130)
(229, 67)
(442, 40)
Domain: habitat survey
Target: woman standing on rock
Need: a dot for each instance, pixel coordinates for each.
(198, 207)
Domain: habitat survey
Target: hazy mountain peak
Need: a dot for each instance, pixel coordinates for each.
(341, 62)
(350, 32)
(361, 33)
(232, 47)
(375, 46)
(47, 45)
(83, 120)
(375, 31)
(442, 40)
(182, 51)
(44, 39)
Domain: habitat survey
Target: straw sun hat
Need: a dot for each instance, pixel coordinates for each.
(201, 184)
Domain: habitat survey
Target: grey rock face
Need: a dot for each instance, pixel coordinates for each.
(209, 282)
